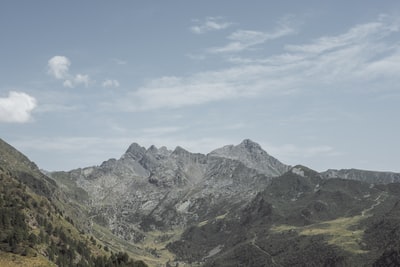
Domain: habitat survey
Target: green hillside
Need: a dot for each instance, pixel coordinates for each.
(34, 227)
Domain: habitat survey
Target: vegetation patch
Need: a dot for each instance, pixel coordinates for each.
(340, 232)
(343, 232)
(12, 260)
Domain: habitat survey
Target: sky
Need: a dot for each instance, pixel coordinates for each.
(313, 82)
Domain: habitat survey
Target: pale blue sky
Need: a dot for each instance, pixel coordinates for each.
(313, 82)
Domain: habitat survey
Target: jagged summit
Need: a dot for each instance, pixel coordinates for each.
(157, 152)
(152, 149)
(253, 156)
(247, 152)
(135, 151)
(246, 146)
(180, 151)
(250, 145)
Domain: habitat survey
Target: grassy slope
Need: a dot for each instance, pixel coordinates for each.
(12, 260)
(26, 191)
(343, 232)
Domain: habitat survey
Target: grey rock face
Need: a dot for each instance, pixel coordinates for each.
(253, 156)
(148, 189)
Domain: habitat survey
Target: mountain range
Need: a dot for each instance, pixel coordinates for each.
(235, 206)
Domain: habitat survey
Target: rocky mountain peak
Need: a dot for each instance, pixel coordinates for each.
(164, 151)
(135, 151)
(152, 149)
(250, 145)
(246, 147)
(179, 151)
(253, 156)
(158, 153)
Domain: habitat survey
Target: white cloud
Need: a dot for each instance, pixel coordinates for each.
(77, 80)
(59, 69)
(17, 107)
(110, 83)
(210, 24)
(82, 79)
(68, 83)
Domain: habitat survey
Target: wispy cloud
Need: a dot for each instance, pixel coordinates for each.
(247, 39)
(58, 67)
(244, 39)
(196, 56)
(368, 32)
(176, 92)
(119, 61)
(362, 54)
(110, 83)
(210, 24)
(17, 107)
(50, 107)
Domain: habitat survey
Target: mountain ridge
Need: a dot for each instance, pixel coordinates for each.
(148, 191)
(234, 205)
(369, 176)
(232, 186)
(253, 156)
